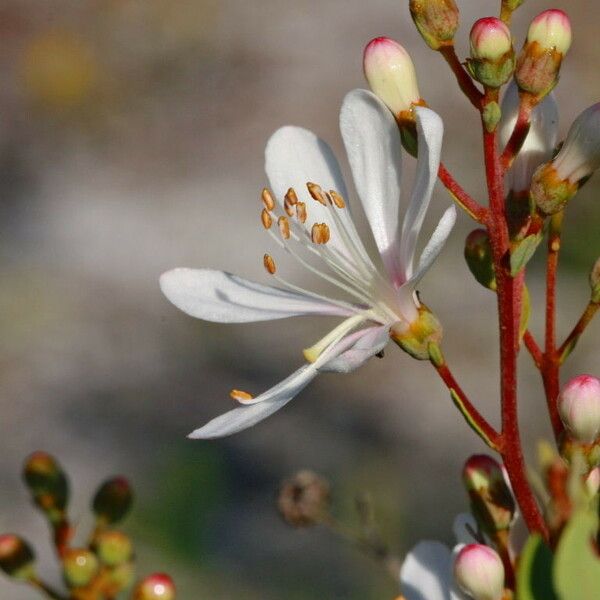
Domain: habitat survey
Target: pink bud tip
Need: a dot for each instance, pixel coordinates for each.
(552, 30)
(155, 587)
(481, 470)
(579, 407)
(479, 572)
(490, 39)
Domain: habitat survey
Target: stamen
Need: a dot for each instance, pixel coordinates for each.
(301, 212)
(269, 264)
(291, 196)
(268, 199)
(240, 395)
(284, 227)
(316, 193)
(311, 354)
(320, 233)
(337, 199)
(266, 219)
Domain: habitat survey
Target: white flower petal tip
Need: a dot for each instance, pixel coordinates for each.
(426, 573)
(221, 297)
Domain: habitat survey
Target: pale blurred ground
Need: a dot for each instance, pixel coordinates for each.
(131, 141)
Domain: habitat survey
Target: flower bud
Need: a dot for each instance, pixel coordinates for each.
(595, 282)
(548, 40)
(479, 572)
(113, 548)
(16, 557)
(155, 587)
(391, 75)
(113, 500)
(47, 483)
(478, 254)
(417, 337)
(492, 503)
(592, 481)
(304, 499)
(436, 20)
(492, 56)
(579, 408)
(539, 143)
(80, 567)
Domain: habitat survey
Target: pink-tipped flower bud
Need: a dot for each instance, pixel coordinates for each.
(48, 484)
(391, 75)
(551, 29)
(548, 40)
(16, 557)
(539, 143)
(479, 572)
(80, 567)
(579, 408)
(592, 481)
(492, 56)
(155, 587)
(436, 20)
(492, 503)
(113, 500)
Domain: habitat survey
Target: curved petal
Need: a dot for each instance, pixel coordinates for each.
(373, 146)
(225, 298)
(295, 156)
(374, 340)
(426, 573)
(430, 130)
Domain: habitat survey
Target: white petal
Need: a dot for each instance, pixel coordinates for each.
(372, 143)
(295, 156)
(435, 244)
(430, 130)
(426, 572)
(225, 298)
(374, 340)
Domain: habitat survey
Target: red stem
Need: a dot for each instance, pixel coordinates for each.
(464, 200)
(519, 133)
(573, 337)
(534, 349)
(512, 453)
(462, 77)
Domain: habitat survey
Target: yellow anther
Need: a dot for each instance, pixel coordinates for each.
(337, 199)
(269, 263)
(240, 395)
(301, 212)
(267, 199)
(291, 196)
(289, 208)
(316, 193)
(320, 233)
(284, 227)
(266, 219)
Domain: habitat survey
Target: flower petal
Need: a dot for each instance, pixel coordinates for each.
(374, 340)
(426, 572)
(430, 130)
(295, 156)
(225, 298)
(373, 146)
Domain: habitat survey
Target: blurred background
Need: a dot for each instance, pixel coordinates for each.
(131, 141)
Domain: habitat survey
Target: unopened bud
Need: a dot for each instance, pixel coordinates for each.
(492, 56)
(479, 572)
(548, 40)
(47, 482)
(416, 338)
(113, 548)
(539, 143)
(304, 499)
(579, 408)
(592, 481)
(16, 557)
(80, 567)
(478, 254)
(113, 500)
(155, 587)
(492, 503)
(595, 282)
(436, 20)
(549, 192)
(391, 75)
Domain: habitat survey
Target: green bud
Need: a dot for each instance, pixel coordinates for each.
(595, 282)
(80, 567)
(416, 338)
(492, 503)
(155, 587)
(436, 20)
(478, 254)
(113, 548)
(47, 482)
(16, 557)
(113, 500)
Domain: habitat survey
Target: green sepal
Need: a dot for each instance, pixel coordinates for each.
(491, 116)
(522, 252)
(470, 422)
(534, 575)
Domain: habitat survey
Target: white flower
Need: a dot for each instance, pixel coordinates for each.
(322, 230)
(540, 141)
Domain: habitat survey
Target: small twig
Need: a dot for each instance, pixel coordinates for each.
(462, 77)
(534, 349)
(519, 133)
(569, 344)
(462, 198)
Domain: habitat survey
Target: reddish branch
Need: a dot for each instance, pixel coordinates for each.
(534, 349)
(519, 133)
(464, 200)
(462, 77)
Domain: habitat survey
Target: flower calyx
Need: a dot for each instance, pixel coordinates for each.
(418, 338)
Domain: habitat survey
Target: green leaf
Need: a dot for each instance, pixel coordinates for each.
(534, 577)
(576, 567)
(522, 253)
